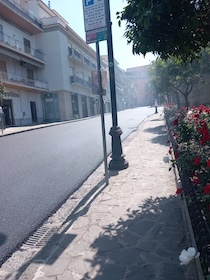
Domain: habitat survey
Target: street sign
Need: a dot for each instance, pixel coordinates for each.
(95, 20)
(94, 14)
(97, 35)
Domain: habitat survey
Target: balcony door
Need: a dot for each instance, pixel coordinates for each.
(3, 70)
(27, 45)
(1, 33)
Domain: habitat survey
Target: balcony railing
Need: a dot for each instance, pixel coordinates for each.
(21, 80)
(74, 53)
(88, 84)
(20, 47)
(79, 81)
(22, 12)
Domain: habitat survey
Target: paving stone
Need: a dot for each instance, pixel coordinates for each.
(111, 271)
(105, 243)
(58, 267)
(172, 272)
(124, 256)
(146, 272)
(141, 227)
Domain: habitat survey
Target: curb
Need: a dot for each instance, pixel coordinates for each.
(40, 126)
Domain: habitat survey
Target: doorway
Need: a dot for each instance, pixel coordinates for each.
(8, 112)
(84, 107)
(33, 111)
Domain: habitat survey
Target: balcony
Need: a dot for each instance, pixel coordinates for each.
(88, 84)
(21, 82)
(16, 14)
(79, 81)
(78, 57)
(14, 46)
(75, 56)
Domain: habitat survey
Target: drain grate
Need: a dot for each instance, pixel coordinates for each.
(41, 237)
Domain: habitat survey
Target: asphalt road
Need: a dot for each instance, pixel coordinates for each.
(40, 169)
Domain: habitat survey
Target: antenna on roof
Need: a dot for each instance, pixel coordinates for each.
(49, 4)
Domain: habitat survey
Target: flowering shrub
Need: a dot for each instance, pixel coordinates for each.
(190, 130)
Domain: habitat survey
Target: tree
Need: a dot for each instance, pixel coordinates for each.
(175, 77)
(2, 92)
(179, 28)
(160, 82)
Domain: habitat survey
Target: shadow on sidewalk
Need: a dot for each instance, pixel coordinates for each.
(43, 256)
(162, 135)
(144, 245)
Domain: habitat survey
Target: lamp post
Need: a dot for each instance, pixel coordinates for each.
(118, 161)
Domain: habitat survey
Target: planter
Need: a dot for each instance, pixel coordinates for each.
(196, 217)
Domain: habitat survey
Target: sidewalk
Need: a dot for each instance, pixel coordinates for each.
(19, 129)
(132, 229)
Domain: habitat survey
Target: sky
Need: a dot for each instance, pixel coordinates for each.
(72, 12)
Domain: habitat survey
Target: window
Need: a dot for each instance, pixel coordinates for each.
(30, 74)
(27, 45)
(1, 33)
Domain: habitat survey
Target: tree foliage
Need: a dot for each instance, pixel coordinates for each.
(179, 28)
(173, 77)
(2, 92)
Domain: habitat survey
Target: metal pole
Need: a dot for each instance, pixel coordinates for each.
(102, 112)
(117, 162)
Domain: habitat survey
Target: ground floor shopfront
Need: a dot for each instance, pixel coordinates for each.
(62, 106)
(24, 108)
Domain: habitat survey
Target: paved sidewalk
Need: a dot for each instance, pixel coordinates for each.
(132, 229)
(19, 129)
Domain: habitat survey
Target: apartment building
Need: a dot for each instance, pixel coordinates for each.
(21, 63)
(45, 66)
(124, 86)
(141, 79)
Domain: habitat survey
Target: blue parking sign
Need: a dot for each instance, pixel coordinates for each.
(88, 2)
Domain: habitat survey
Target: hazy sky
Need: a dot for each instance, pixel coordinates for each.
(72, 11)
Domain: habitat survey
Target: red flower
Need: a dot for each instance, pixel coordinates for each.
(195, 180)
(176, 155)
(196, 161)
(208, 163)
(206, 189)
(179, 191)
(204, 135)
(175, 122)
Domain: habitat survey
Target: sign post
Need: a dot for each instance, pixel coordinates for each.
(98, 28)
(95, 27)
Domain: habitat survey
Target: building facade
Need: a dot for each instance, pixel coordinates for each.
(45, 66)
(48, 71)
(21, 63)
(141, 79)
(124, 86)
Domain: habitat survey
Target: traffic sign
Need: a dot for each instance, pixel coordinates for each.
(94, 14)
(96, 35)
